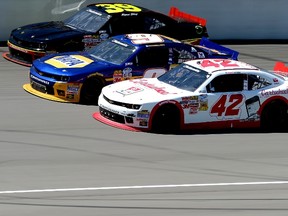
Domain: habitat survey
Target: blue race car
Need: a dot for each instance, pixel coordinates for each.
(78, 77)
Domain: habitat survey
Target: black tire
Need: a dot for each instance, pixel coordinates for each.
(166, 120)
(274, 116)
(90, 91)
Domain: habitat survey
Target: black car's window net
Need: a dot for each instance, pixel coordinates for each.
(184, 77)
(87, 20)
(112, 51)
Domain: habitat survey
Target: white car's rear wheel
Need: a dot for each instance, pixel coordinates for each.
(274, 116)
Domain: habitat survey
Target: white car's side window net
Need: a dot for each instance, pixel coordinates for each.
(256, 82)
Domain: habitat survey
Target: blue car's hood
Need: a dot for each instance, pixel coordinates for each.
(72, 64)
(46, 31)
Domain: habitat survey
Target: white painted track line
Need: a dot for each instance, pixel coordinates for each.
(144, 187)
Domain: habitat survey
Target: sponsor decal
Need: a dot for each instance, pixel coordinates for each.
(167, 102)
(190, 101)
(39, 80)
(203, 103)
(275, 80)
(108, 109)
(143, 122)
(144, 38)
(72, 89)
(128, 63)
(131, 14)
(127, 73)
(160, 90)
(144, 114)
(91, 40)
(117, 76)
(274, 92)
(193, 110)
(130, 90)
(190, 98)
(190, 105)
(69, 61)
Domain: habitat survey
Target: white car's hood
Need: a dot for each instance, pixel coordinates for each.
(139, 91)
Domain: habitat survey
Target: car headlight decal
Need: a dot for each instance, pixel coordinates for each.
(128, 106)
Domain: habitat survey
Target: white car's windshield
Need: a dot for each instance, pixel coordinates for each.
(112, 51)
(87, 20)
(184, 77)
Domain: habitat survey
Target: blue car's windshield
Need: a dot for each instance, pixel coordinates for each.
(184, 77)
(87, 20)
(112, 51)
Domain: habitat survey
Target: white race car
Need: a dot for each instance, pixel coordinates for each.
(198, 94)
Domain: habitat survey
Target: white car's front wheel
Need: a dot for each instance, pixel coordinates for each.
(166, 120)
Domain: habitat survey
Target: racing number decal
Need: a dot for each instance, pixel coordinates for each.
(227, 105)
(218, 63)
(119, 8)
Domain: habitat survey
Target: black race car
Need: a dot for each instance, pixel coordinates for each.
(95, 23)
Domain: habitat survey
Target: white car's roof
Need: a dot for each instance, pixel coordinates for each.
(212, 65)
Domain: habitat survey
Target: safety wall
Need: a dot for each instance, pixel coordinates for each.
(226, 19)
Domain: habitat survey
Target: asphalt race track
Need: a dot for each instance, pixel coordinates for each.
(55, 159)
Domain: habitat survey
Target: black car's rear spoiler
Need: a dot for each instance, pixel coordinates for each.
(177, 14)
